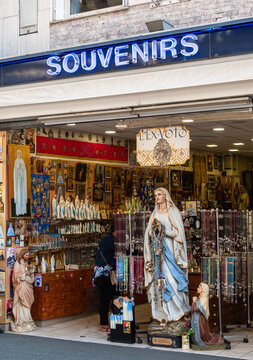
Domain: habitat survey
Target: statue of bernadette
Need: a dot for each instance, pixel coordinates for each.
(165, 256)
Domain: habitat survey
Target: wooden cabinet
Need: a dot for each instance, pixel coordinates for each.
(64, 293)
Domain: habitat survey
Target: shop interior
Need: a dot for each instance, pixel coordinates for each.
(90, 170)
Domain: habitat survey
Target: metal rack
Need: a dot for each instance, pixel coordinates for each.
(218, 276)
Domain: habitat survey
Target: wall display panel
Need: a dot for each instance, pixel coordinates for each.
(40, 203)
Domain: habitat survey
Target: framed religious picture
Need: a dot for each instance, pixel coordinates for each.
(52, 175)
(116, 177)
(175, 178)
(80, 191)
(19, 181)
(39, 166)
(1, 173)
(108, 197)
(103, 214)
(2, 282)
(1, 199)
(81, 170)
(99, 173)
(71, 172)
(216, 162)
(116, 196)
(70, 185)
(98, 192)
(60, 191)
(108, 186)
(228, 162)
(108, 172)
(159, 177)
(30, 139)
(191, 207)
(11, 257)
(59, 173)
(220, 160)
(20, 227)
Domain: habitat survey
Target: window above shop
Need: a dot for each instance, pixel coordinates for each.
(80, 6)
(28, 16)
(62, 9)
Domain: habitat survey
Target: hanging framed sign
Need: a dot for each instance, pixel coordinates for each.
(163, 146)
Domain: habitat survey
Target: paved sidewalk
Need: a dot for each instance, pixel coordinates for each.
(86, 330)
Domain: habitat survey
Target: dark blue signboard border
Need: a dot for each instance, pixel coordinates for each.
(211, 41)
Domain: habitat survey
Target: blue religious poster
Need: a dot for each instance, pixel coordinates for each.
(40, 203)
(147, 197)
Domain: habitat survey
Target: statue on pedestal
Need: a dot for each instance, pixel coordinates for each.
(166, 266)
(23, 279)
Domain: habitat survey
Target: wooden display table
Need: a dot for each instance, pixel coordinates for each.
(64, 293)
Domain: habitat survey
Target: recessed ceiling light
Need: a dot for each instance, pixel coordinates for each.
(233, 150)
(187, 120)
(72, 124)
(238, 144)
(121, 125)
(251, 139)
(218, 129)
(110, 132)
(212, 145)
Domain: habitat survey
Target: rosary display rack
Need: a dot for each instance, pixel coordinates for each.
(129, 248)
(227, 262)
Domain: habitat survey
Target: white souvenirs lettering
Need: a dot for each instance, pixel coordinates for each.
(165, 49)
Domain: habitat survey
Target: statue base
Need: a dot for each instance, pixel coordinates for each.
(165, 334)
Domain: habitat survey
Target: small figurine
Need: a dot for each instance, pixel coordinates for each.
(73, 212)
(37, 260)
(200, 314)
(52, 264)
(43, 265)
(62, 207)
(81, 212)
(54, 207)
(66, 210)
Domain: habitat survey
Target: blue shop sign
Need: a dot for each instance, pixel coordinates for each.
(139, 52)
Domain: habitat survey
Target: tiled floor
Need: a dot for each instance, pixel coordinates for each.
(87, 329)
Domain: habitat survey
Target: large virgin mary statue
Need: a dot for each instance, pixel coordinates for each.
(165, 255)
(20, 185)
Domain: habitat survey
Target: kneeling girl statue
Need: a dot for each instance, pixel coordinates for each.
(165, 255)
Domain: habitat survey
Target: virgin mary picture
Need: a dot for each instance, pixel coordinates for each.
(20, 184)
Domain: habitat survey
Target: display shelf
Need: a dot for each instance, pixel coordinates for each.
(81, 235)
(72, 221)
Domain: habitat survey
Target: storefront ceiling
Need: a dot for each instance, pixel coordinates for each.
(238, 127)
